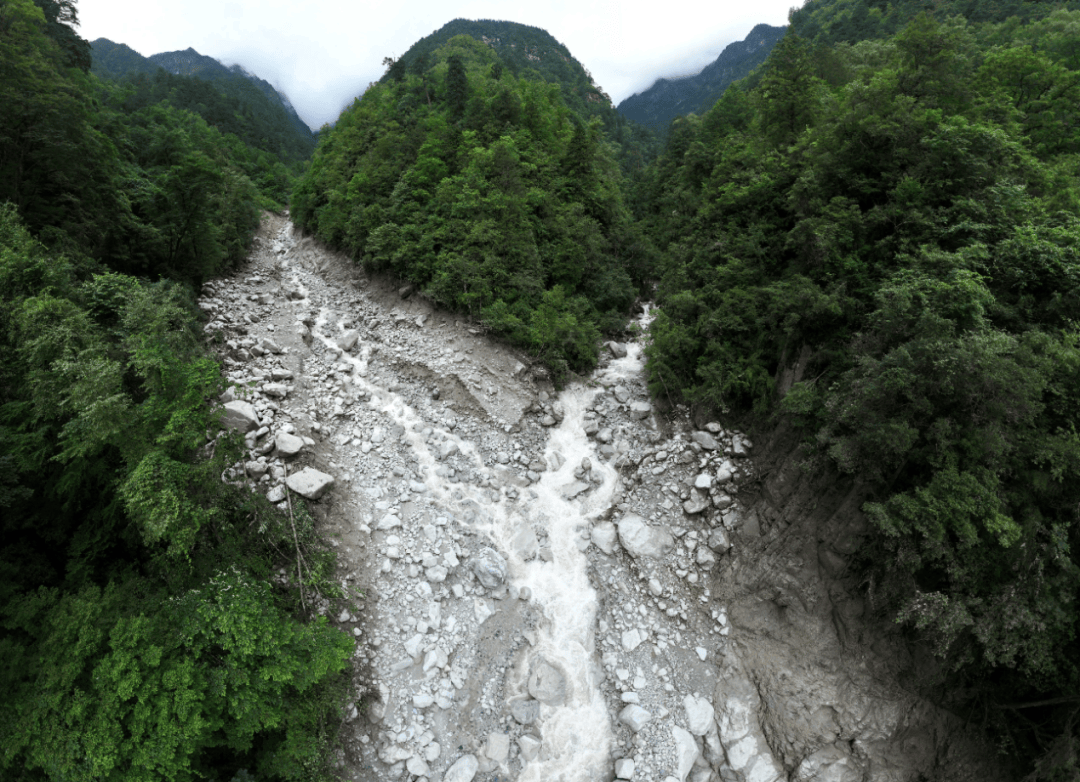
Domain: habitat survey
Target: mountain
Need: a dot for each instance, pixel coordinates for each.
(535, 54)
(114, 60)
(667, 99)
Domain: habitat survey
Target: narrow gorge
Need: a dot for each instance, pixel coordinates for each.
(556, 585)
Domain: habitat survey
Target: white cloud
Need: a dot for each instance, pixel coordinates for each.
(324, 54)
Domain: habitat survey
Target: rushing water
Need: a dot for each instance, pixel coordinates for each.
(577, 732)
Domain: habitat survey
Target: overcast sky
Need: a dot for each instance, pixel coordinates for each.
(323, 54)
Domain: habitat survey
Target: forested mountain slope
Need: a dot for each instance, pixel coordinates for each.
(140, 632)
(486, 189)
(667, 99)
(534, 54)
(231, 99)
(880, 239)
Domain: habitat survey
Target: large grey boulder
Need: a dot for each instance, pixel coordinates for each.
(240, 416)
(547, 683)
(463, 770)
(490, 568)
(310, 483)
(348, 340)
(288, 444)
(617, 350)
(526, 711)
(705, 440)
(639, 411)
(642, 540)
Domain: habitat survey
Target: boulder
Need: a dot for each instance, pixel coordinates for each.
(526, 711)
(240, 416)
(603, 536)
(634, 717)
(288, 444)
(696, 504)
(547, 683)
(348, 340)
(530, 747)
(700, 715)
(624, 768)
(498, 747)
(705, 440)
(489, 567)
(686, 752)
(640, 410)
(309, 483)
(617, 350)
(642, 540)
(463, 770)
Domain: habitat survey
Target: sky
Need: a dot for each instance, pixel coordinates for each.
(323, 54)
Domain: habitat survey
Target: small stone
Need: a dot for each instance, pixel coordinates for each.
(632, 639)
(703, 481)
(624, 768)
(696, 504)
(276, 494)
(705, 557)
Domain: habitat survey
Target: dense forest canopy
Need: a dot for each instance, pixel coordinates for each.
(878, 237)
(141, 632)
(488, 191)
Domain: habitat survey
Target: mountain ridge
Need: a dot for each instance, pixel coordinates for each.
(114, 60)
(669, 98)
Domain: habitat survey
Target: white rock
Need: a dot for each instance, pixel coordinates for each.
(389, 521)
(498, 747)
(417, 767)
(705, 440)
(640, 410)
(686, 752)
(529, 746)
(603, 536)
(624, 768)
(641, 540)
(704, 557)
(276, 494)
(632, 639)
(463, 770)
(526, 711)
(347, 341)
(240, 416)
(634, 717)
(703, 481)
(422, 700)
(489, 567)
(700, 715)
(288, 444)
(276, 390)
(617, 350)
(310, 483)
